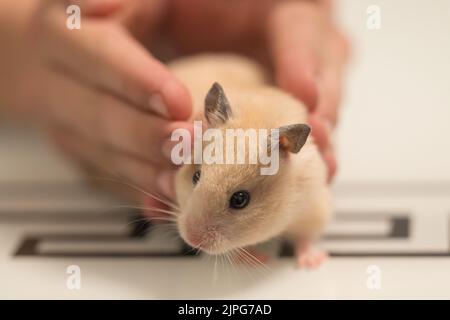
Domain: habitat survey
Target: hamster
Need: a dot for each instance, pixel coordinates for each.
(232, 92)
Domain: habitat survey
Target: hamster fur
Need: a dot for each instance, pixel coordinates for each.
(295, 202)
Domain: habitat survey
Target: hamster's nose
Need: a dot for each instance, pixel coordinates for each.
(194, 240)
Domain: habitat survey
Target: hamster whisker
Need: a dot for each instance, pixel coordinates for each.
(254, 259)
(221, 263)
(198, 249)
(215, 273)
(242, 262)
(169, 230)
(248, 257)
(150, 219)
(153, 209)
(250, 267)
(233, 261)
(229, 256)
(139, 189)
(244, 258)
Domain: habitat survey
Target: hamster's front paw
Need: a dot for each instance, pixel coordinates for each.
(309, 257)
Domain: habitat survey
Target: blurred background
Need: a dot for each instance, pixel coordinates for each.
(395, 116)
(393, 151)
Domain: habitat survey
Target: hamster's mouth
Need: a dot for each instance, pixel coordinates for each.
(210, 244)
(208, 239)
(215, 251)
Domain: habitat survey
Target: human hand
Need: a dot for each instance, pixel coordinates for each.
(92, 86)
(297, 39)
(309, 55)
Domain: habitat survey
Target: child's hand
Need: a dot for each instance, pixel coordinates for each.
(112, 105)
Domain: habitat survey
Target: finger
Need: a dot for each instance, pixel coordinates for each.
(142, 175)
(295, 32)
(251, 257)
(329, 157)
(328, 7)
(105, 55)
(111, 122)
(321, 130)
(330, 92)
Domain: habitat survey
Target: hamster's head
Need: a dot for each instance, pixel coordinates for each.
(227, 206)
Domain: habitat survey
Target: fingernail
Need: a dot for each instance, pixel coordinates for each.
(165, 183)
(156, 104)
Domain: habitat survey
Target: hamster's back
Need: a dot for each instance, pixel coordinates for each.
(245, 83)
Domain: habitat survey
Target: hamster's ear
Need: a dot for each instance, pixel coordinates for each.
(293, 137)
(217, 107)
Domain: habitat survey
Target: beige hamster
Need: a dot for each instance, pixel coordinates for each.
(294, 202)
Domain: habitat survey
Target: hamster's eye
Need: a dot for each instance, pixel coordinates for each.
(239, 199)
(196, 177)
